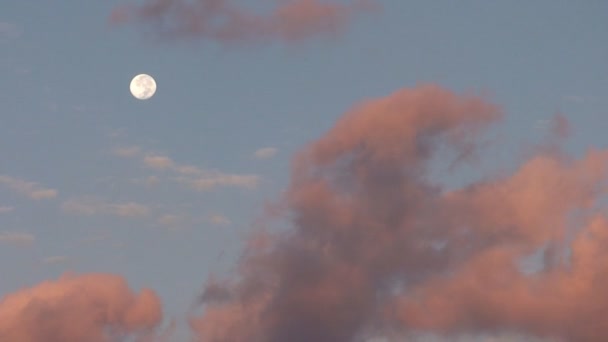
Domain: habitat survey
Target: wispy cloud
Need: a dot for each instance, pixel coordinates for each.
(94, 239)
(95, 206)
(127, 152)
(177, 221)
(52, 260)
(574, 98)
(170, 219)
(219, 220)
(225, 22)
(265, 153)
(211, 180)
(147, 181)
(29, 189)
(9, 30)
(158, 162)
(16, 238)
(6, 209)
(579, 98)
(193, 177)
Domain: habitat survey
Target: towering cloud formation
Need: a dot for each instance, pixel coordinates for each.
(377, 248)
(95, 308)
(225, 21)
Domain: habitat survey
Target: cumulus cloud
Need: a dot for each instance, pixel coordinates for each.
(226, 21)
(16, 238)
(92, 307)
(29, 189)
(265, 153)
(377, 248)
(96, 206)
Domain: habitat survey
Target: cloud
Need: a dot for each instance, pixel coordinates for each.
(219, 220)
(8, 30)
(158, 162)
(180, 221)
(579, 99)
(52, 260)
(211, 180)
(94, 239)
(377, 248)
(127, 152)
(95, 206)
(226, 22)
(28, 189)
(194, 177)
(265, 153)
(147, 181)
(6, 209)
(91, 307)
(574, 98)
(175, 222)
(15, 238)
(170, 219)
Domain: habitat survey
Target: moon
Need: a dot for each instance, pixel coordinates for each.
(143, 86)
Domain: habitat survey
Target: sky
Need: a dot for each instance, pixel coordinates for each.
(445, 160)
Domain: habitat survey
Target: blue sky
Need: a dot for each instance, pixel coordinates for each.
(70, 125)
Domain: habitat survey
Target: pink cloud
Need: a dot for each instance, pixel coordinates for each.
(93, 307)
(375, 246)
(225, 21)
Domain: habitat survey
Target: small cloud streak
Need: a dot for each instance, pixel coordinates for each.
(6, 209)
(219, 220)
(127, 152)
(91, 307)
(192, 176)
(31, 190)
(265, 153)
(95, 206)
(52, 260)
(209, 181)
(158, 162)
(170, 219)
(574, 98)
(175, 222)
(94, 239)
(17, 239)
(147, 181)
(226, 22)
(8, 30)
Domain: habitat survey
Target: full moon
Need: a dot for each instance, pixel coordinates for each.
(143, 86)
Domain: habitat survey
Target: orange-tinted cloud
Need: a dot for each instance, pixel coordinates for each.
(93, 307)
(377, 247)
(226, 21)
